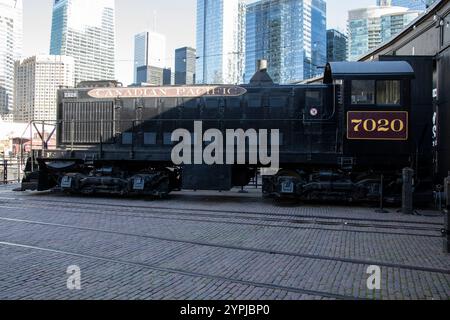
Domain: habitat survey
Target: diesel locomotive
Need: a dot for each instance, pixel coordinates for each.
(345, 138)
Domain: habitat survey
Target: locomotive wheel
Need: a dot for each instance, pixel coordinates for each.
(288, 201)
(288, 173)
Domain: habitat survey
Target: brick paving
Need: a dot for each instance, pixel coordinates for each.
(213, 246)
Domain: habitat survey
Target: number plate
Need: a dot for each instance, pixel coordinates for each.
(66, 182)
(287, 187)
(139, 183)
(377, 125)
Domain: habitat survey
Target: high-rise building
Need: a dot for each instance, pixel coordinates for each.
(290, 35)
(185, 59)
(420, 5)
(336, 46)
(11, 33)
(85, 30)
(394, 23)
(220, 41)
(154, 76)
(149, 50)
(37, 80)
(365, 27)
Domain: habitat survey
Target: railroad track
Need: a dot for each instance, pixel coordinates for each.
(212, 216)
(244, 212)
(233, 247)
(184, 272)
(293, 223)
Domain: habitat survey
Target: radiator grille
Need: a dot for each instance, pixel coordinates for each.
(91, 122)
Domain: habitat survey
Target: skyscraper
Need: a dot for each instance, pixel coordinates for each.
(153, 75)
(410, 4)
(149, 50)
(220, 41)
(394, 23)
(185, 59)
(336, 46)
(85, 30)
(365, 28)
(37, 80)
(11, 30)
(290, 35)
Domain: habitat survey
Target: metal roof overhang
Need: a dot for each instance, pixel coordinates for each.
(368, 70)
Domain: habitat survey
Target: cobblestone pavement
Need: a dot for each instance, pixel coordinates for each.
(209, 245)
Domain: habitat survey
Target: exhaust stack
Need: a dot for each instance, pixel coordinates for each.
(261, 77)
(261, 65)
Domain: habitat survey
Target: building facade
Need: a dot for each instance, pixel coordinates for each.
(11, 33)
(154, 76)
(394, 23)
(290, 35)
(420, 5)
(149, 50)
(365, 28)
(220, 41)
(37, 80)
(85, 30)
(185, 60)
(336, 46)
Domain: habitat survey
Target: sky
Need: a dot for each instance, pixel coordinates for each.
(174, 18)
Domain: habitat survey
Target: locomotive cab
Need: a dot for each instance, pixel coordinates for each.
(372, 144)
(376, 109)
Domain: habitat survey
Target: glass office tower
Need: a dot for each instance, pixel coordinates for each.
(420, 5)
(290, 35)
(11, 30)
(394, 23)
(220, 41)
(85, 30)
(365, 27)
(336, 46)
(149, 50)
(185, 59)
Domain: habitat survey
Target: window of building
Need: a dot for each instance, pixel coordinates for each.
(388, 92)
(363, 92)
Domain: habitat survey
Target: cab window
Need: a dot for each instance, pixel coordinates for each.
(388, 92)
(363, 92)
(380, 92)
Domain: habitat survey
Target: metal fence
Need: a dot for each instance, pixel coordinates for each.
(11, 170)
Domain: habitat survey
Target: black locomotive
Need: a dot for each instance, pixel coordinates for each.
(337, 140)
